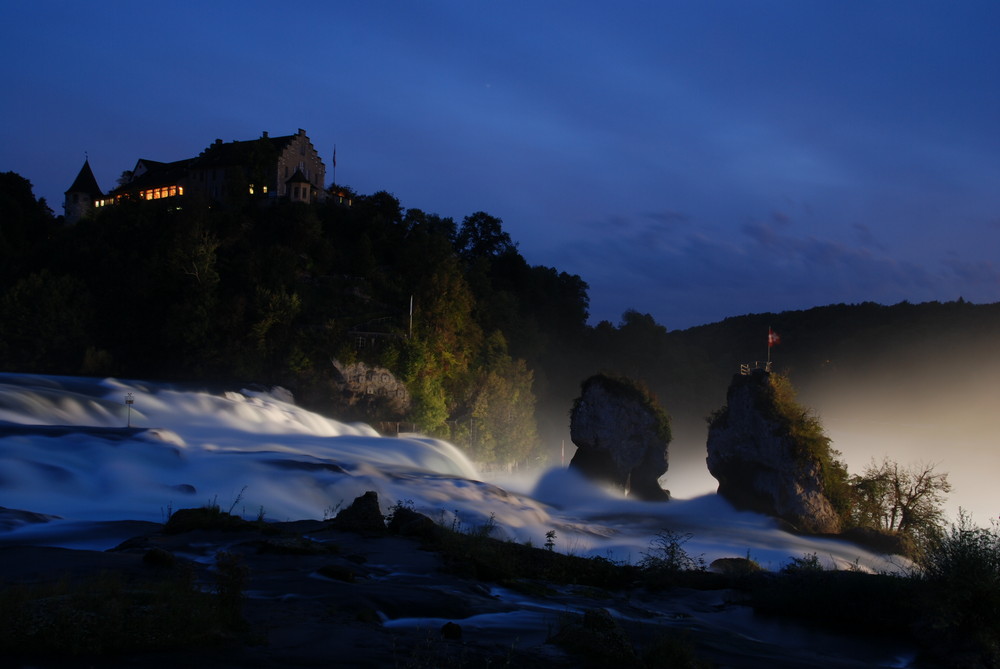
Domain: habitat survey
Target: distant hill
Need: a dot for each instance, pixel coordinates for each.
(913, 352)
(920, 376)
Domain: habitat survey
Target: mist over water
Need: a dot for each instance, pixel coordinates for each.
(949, 421)
(257, 453)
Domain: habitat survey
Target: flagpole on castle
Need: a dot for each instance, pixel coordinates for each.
(334, 164)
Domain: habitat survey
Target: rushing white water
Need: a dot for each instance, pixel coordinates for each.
(65, 451)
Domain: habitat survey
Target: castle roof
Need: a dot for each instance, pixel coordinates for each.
(241, 151)
(297, 178)
(86, 182)
(155, 173)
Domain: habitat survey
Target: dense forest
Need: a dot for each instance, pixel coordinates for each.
(490, 348)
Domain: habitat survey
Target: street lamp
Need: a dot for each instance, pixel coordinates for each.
(129, 401)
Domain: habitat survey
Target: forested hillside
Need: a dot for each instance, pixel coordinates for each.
(492, 353)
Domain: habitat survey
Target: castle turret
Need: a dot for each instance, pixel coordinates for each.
(80, 197)
(298, 187)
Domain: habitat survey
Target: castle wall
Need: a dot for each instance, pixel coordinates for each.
(300, 154)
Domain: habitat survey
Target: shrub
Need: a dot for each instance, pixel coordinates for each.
(961, 572)
(666, 561)
(808, 563)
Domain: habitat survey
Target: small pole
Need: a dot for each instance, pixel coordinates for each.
(129, 400)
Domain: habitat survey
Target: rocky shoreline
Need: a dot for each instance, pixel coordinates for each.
(318, 595)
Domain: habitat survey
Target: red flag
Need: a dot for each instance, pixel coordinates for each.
(772, 338)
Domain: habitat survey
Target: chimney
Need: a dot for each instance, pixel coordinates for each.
(264, 135)
(302, 132)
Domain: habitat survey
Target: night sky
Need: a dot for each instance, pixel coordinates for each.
(692, 160)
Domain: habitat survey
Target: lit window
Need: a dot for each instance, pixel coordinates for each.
(173, 191)
(180, 190)
(251, 189)
(264, 189)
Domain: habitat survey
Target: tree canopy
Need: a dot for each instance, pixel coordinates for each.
(239, 292)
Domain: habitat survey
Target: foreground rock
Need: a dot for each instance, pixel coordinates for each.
(621, 437)
(315, 595)
(762, 464)
(364, 515)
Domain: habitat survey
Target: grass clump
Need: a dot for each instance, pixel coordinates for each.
(482, 557)
(212, 517)
(204, 518)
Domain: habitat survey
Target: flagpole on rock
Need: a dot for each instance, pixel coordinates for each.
(772, 339)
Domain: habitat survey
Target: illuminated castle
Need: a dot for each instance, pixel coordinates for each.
(266, 168)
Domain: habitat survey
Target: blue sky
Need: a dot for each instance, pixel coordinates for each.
(692, 160)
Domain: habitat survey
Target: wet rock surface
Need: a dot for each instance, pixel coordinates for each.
(621, 438)
(758, 464)
(321, 596)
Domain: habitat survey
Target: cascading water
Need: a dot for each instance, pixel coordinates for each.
(65, 451)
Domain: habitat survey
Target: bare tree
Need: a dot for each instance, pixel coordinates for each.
(903, 500)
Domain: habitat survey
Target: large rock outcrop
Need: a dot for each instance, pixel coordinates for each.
(758, 454)
(621, 436)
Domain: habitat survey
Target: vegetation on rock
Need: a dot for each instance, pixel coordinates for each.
(805, 429)
(637, 391)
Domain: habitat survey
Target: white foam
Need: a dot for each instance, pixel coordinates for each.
(254, 452)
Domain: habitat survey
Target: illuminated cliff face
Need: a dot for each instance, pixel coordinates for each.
(759, 465)
(621, 439)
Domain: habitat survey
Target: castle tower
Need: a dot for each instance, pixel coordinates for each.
(298, 187)
(81, 195)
